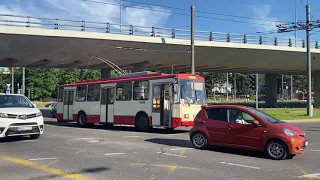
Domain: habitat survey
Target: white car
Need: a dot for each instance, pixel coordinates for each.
(19, 117)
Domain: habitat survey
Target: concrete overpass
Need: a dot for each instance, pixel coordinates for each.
(57, 43)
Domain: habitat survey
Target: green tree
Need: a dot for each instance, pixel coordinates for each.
(42, 81)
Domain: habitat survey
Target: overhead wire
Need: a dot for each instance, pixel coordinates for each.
(204, 12)
(205, 17)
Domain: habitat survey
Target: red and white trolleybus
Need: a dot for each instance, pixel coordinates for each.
(143, 99)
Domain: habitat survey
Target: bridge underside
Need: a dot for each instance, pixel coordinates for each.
(31, 47)
(28, 50)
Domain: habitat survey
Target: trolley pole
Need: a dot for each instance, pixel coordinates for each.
(192, 40)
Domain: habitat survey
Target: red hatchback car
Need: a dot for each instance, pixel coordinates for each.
(247, 128)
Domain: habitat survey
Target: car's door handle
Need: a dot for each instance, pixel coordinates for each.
(230, 126)
(201, 122)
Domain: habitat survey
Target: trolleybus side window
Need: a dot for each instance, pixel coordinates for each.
(124, 91)
(81, 93)
(141, 90)
(93, 93)
(60, 94)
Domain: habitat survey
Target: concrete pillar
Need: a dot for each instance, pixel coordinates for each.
(140, 67)
(271, 90)
(316, 89)
(105, 73)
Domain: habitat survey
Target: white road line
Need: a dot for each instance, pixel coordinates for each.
(110, 154)
(178, 149)
(240, 165)
(170, 154)
(311, 176)
(316, 150)
(39, 159)
(84, 139)
(131, 136)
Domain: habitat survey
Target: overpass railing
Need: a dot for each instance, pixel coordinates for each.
(103, 27)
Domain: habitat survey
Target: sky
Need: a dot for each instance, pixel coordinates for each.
(257, 15)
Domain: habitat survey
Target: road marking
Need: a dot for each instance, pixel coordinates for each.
(240, 165)
(77, 139)
(50, 163)
(178, 149)
(34, 165)
(316, 150)
(170, 154)
(165, 166)
(110, 154)
(306, 174)
(131, 136)
(40, 159)
(83, 150)
(310, 176)
(182, 152)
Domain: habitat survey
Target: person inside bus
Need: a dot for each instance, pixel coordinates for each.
(240, 119)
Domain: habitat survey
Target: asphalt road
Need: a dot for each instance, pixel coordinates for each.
(119, 153)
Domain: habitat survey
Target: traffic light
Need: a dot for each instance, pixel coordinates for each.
(253, 82)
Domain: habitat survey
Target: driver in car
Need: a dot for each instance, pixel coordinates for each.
(240, 119)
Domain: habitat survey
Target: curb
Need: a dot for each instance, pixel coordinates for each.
(302, 121)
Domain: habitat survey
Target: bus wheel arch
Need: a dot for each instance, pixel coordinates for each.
(142, 121)
(81, 118)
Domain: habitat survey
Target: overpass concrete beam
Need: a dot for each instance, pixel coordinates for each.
(271, 90)
(105, 73)
(140, 67)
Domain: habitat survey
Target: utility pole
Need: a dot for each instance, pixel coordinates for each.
(235, 85)
(308, 29)
(305, 26)
(257, 90)
(12, 80)
(23, 81)
(282, 90)
(192, 40)
(120, 16)
(227, 84)
(295, 45)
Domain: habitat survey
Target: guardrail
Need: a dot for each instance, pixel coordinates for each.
(102, 27)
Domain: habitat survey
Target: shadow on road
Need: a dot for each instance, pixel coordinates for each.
(14, 139)
(83, 171)
(188, 144)
(116, 128)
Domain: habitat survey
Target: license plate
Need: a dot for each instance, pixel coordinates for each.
(306, 143)
(24, 128)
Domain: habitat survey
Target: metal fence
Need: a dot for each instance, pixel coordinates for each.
(103, 27)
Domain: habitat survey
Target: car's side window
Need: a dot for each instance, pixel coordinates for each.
(238, 116)
(219, 114)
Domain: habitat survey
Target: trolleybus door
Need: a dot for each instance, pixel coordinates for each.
(161, 104)
(107, 105)
(68, 104)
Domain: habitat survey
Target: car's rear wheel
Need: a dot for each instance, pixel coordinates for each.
(199, 140)
(276, 150)
(35, 136)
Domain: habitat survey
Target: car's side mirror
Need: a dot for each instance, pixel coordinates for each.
(34, 105)
(256, 123)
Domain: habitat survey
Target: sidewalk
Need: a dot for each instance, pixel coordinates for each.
(302, 120)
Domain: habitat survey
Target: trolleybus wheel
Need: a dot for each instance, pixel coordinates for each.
(82, 119)
(142, 122)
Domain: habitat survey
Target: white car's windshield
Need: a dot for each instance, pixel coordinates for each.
(9, 101)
